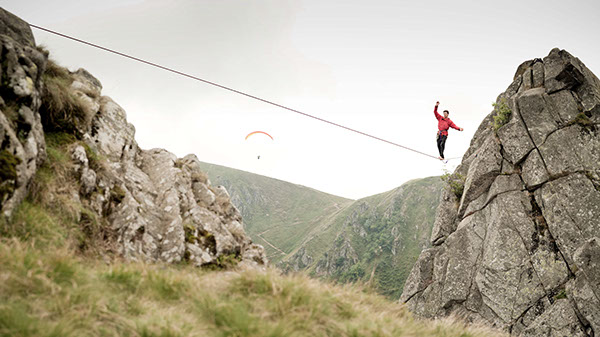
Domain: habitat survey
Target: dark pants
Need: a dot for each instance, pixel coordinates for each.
(441, 143)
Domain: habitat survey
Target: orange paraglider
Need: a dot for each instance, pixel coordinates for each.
(255, 132)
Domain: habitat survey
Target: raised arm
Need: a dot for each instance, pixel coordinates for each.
(437, 115)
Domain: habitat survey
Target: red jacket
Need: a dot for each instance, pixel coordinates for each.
(444, 123)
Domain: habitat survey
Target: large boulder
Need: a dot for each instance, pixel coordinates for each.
(16, 29)
(520, 250)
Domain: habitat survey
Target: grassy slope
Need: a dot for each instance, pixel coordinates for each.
(410, 208)
(51, 292)
(277, 211)
(411, 211)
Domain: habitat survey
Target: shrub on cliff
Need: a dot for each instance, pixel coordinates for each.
(502, 115)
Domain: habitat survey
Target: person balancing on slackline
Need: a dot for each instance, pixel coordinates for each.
(444, 123)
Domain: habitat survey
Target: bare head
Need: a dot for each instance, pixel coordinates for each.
(446, 113)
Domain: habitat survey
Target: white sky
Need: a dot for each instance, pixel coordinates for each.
(376, 66)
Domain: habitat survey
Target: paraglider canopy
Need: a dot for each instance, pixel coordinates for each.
(256, 132)
(259, 140)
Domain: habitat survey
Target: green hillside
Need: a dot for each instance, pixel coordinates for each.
(278, 215)
(376, 239)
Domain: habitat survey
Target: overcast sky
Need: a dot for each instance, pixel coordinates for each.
(376, 66)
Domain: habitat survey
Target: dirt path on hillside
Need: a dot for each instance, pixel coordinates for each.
(270, 244)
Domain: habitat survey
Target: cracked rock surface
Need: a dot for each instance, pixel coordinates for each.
(159, 207)
(519, 249)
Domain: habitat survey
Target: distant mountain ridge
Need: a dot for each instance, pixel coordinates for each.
(377, 238)
(277, 214)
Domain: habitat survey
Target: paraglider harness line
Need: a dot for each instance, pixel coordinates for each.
(226, 88)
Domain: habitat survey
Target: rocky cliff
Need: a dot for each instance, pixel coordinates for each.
(150, 204)
(517, 233)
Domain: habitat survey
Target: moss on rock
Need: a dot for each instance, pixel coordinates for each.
(8, 173)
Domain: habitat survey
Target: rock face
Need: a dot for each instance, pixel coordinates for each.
(22, 145)
(519, 247)
(160, 207)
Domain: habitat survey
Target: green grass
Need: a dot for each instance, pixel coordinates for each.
(582, 120)
(456, 181)
(8, 174)
(410, 209)
(52, 292)
(49, 214)
(62, 110)
(503, 113)
(31, 221)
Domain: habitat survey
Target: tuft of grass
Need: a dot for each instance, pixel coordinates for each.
(128, 280)
(223, 262)
(50, 215)
(165, 287)
(96, 161)
(117, 194)
(562, 294)
(32, 222)
(503, 113)
(62, 110)
(55, 182)
(583, 120)
(456, 181)
(11, 111)
(8, 174)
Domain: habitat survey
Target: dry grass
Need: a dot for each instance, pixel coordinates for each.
(62, 110)
(54, 293)
(51, 214)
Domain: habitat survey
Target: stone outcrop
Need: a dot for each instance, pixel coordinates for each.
(22, 144)
(159, 207)
(518, 247)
